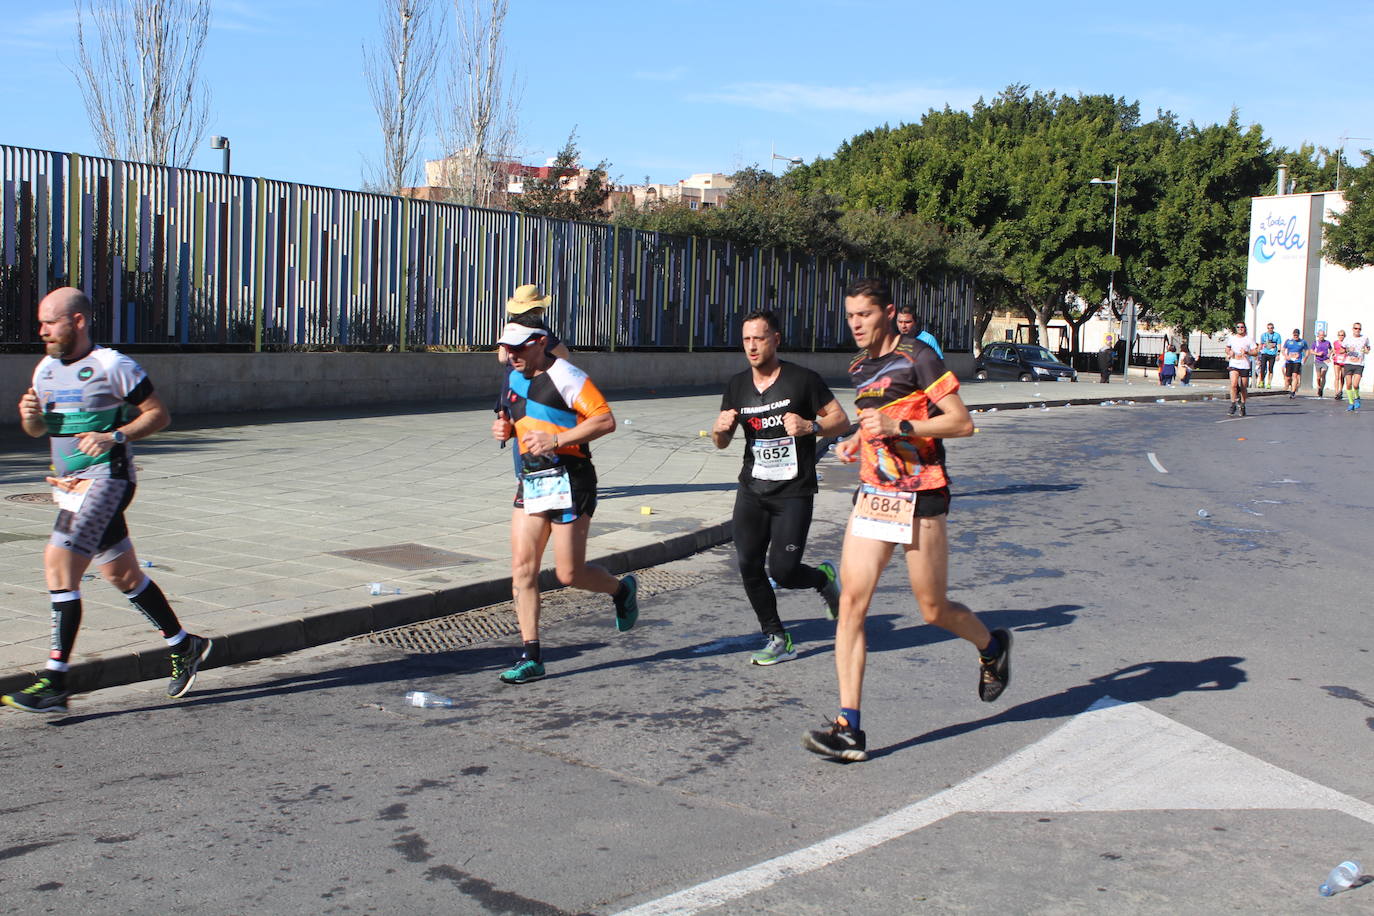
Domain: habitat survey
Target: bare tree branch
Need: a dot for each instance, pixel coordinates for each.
(477, 124)
(138, 67)
(399, 75)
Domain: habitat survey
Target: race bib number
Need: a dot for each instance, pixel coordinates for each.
(547, 491)
(71, 500)
(884, 515)
(775, 459)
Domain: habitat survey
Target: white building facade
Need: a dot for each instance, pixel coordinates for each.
(1290, 283)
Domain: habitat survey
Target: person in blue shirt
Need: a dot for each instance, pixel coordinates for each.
(1268, 354)
(909, 324)
(1168, 365)
(1294, 352)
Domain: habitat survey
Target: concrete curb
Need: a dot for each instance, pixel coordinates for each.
(283, 636)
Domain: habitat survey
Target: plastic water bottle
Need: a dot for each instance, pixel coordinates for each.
(378, 588)
(146, 564)
(1341, 877)
(1203, 513)
(426, 700)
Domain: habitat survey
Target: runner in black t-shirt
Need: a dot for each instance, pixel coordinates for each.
(782, 407)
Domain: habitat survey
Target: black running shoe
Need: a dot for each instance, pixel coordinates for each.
(995, 674)
(627, 610)
(1232, 412)
(1242, 409)
(42, 696)
(185, 664)
(838, 742)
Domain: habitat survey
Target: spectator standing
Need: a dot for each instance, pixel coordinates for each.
(1168, 365)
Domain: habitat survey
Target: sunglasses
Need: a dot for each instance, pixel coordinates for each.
(524, 346)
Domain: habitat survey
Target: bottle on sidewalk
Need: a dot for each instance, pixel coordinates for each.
(1341, 877)
(378, 588)
(426, 700)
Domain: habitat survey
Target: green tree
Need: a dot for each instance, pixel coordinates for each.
(1349, 239)
(560, 196)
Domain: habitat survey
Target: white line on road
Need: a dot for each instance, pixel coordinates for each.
(1155, 461)
(1151, 763)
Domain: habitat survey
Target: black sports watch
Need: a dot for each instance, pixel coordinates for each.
(906, 429)
(119, 437)
(815, 428)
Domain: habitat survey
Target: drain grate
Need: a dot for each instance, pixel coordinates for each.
(30, 499)
(497, 621)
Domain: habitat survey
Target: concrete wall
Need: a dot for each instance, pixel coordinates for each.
(231, 382)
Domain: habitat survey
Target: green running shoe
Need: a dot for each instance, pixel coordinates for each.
(777, 649)
(523, 671)
(830, 591)
(42, 696)
(627, 609)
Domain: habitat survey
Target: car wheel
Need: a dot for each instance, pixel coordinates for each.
(981, 374)
(1027, 377)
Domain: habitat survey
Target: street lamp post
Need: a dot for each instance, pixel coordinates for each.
(222, 143)
(1115, 182)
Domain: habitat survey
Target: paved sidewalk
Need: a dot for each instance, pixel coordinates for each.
(249, 520)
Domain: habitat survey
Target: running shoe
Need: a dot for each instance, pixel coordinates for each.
(1242, 409)
(523, 671)
(838, 742)
(42, 696)
(1350, 406)
(627, 610)
(830, 591)
(186, 663)
(1357, 403)
(995, 674)
(777, 649)
(1233, 408)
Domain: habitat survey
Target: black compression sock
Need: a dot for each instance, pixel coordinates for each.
(993, 650)
(532, 651)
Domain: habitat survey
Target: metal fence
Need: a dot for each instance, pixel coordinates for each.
(184, 258)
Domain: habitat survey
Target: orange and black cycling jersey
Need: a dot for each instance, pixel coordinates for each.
(553, 402)
(904, 384)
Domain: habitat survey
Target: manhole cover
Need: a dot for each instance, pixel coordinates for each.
(495, 621)
(31, 499)
(407, 556)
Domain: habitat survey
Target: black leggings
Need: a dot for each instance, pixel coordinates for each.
(776, 527)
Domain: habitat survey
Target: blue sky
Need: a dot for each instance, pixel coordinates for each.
(665, 88)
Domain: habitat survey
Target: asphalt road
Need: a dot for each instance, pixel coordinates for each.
(1188, 729)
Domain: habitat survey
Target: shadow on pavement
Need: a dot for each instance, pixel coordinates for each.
(1138, 683)
(402, 674)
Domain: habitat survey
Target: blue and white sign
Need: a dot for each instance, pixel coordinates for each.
(1277, 235)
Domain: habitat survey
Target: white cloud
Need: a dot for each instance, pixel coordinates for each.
(879, 100)
(45, 31)
(672, 75)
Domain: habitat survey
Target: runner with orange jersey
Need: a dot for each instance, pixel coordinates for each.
(908, 404)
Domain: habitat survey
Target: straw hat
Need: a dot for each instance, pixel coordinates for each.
(527, 297)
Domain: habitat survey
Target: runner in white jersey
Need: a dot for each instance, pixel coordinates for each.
(1240, 346)
(92, 403)
(1356, 354)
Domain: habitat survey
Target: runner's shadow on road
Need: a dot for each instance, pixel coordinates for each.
(885, 633)
(1138, 683)
(413, 672)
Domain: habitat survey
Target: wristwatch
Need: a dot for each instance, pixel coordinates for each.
(815, 428)
(119, 437)
(906, 429)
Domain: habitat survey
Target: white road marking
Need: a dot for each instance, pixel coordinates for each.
(1155, 461)
(1113, 757)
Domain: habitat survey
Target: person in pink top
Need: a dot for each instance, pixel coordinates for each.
(1338, 360)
